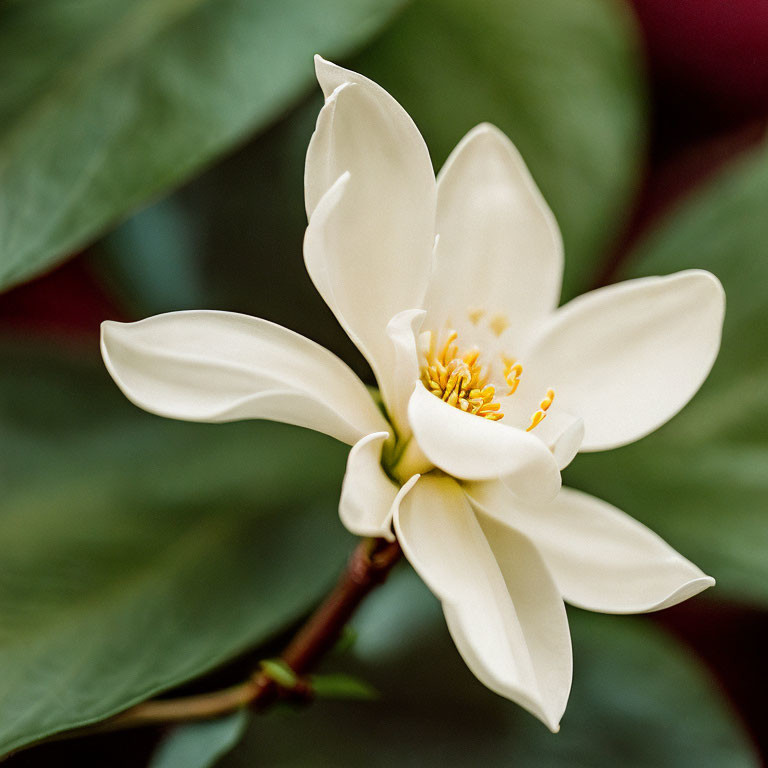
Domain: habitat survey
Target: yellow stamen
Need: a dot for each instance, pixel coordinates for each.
(540, 415)
(512, 373)
(459, 379)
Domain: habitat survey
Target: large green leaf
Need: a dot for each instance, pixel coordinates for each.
(638, 700)
(702, 480)
(138, 552)
(107, 103)
(562, 78)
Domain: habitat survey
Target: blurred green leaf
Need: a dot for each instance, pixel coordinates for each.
(107, 103)
(341, 686)
(279, 671)
(638, 700)
(562, 78)
(702, 480)
(155, 260)
(138, 552)
(200, 745)
(346, 641)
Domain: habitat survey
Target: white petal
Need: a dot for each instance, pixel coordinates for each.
(502, 606)
(472, 448)
(567, 443)
(601, 558)
(318, 241)
(369, 248)
(403, 330)
(367, 494)
(320, 163)
(562, 433)
(363, 130)
(353, 308)
(222, 366)
(628, 357)
(500, 249)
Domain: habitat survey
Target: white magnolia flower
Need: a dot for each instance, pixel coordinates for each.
(444, 286)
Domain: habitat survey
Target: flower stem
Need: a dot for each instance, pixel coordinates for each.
(368, 566)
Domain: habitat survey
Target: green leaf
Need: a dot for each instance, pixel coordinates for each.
(138, 552)
(107, 104)
(341, 686)
(200, 745)
(154, 262)
(280, 672)
(638, 700)
(702, 480)
(562, 78)
(346, 641)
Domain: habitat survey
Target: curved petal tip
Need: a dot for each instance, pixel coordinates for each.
(683, 592)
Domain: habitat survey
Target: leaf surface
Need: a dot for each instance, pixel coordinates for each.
(106, 104)
(140, 552)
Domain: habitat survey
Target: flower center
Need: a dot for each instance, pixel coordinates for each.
(458, 378)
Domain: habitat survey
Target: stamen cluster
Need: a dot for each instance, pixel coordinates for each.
(458, 379)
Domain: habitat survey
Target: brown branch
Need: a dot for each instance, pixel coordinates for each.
(368, 567)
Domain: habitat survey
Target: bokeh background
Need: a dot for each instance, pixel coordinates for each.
(151, 159)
